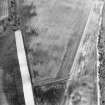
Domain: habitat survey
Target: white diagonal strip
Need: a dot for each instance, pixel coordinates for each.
(27, 86)
(91, 17)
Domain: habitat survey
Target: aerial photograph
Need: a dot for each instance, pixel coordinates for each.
(52, 52)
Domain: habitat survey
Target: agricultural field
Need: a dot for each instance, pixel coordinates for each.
(53, 31)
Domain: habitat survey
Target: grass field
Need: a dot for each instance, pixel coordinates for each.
(55, 32)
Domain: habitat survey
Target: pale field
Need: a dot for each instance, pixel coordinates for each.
(58, 22)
